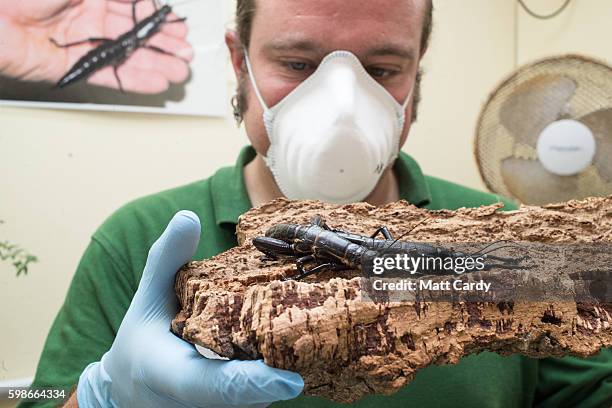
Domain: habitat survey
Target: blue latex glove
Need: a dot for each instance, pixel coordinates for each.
(148, 366)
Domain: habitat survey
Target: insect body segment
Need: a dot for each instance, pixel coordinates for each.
(339, 250)
(114, 52)
(311, 243)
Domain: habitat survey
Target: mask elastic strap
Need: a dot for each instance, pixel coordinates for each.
(401, 114)
(409, 97)
(253, 82)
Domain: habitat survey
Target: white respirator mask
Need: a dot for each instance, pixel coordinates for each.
(334, 135)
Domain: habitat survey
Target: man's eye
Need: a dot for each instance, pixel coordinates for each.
(298, 66)
(377, 72)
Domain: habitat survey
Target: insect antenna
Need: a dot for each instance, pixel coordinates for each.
(480, 251)
(495, 249)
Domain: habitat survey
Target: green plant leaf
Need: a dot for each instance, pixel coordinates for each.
(19, 257)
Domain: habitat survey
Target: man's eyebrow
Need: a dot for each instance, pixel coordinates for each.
(393, 50)
(284, 45)
(293, 45)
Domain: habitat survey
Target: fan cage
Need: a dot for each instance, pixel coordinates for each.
(494, 143)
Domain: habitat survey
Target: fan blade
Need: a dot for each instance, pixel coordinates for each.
(600, 123)
(531, 183)
(535, 104)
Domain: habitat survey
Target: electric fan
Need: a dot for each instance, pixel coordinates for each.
(545, 134)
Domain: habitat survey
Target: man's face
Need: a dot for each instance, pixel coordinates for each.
(289, 39)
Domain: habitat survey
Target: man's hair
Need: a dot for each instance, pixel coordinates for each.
(245, 14)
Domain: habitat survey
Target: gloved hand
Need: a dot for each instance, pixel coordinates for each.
(148, 366)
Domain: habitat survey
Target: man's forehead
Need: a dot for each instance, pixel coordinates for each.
(315, 24)
(348, 9)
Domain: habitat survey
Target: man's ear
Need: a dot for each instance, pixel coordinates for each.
(422, 53)
(236, 52)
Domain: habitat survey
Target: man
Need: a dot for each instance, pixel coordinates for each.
(354, 54)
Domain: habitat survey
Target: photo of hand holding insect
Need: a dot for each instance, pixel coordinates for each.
(138, 47)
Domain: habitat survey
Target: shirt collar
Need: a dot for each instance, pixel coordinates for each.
(413, 185)
(228, 189)
(231, 200)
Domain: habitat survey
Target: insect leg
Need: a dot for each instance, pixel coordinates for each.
(134, 8)
(115, 68)
(403, 235)
(384, 231)
(161, 51)
(89, 40)
(319, 221)
(302, 261)
(178, 20)
(320, 268)
(134, 19)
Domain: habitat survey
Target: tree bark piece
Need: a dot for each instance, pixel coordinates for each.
(346, 347)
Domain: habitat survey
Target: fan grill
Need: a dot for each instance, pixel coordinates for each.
(576, 86)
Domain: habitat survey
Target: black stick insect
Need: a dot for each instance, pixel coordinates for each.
(335, 250)
(114, 52)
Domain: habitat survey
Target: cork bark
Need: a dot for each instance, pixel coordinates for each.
(346, 347)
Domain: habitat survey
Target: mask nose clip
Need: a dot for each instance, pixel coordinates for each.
(343, 83)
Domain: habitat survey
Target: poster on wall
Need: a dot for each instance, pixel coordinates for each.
(114, 55)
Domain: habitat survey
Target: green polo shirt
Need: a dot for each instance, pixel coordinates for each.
(108, 275)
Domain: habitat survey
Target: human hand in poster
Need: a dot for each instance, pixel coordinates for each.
(29, 27)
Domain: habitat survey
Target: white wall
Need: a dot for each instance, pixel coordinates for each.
(583, 28)
(471, 48)
(62, 173)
